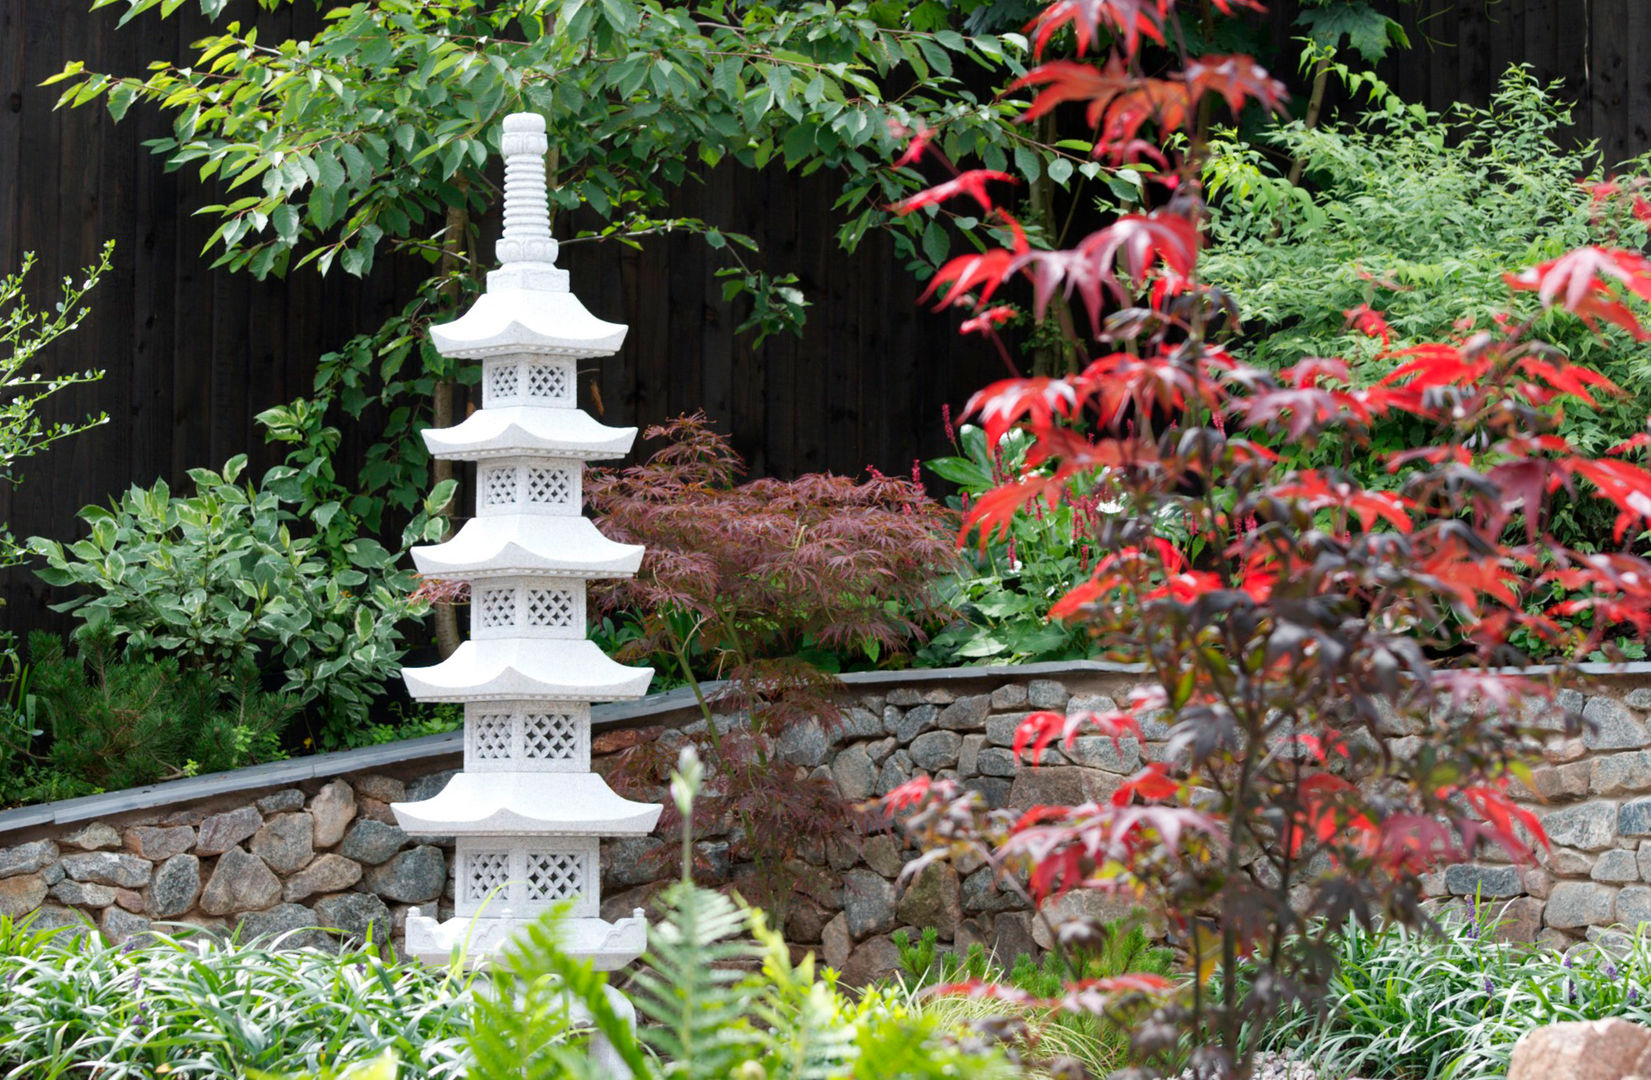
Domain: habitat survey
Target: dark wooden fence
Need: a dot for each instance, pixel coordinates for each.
(192, 353)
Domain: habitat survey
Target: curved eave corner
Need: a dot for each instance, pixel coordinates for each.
(542, 544)
(517, 430)
(527, 321)
(537, 804)
(545, 669)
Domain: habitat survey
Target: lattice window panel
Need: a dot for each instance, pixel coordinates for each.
(499, 487)
(549, 736)
(553, 876)
(550, 486)
(548, 381)
(554, 608)
(502, 381)
(492, 735)
(495, 607)
(485, 871)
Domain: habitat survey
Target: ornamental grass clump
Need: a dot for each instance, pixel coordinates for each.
(191, 1006)
(1450, 1005)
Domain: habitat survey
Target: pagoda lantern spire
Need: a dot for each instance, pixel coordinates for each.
(527, 814)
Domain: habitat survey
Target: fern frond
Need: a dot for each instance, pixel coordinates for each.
(696, 1002)
(808, 1037)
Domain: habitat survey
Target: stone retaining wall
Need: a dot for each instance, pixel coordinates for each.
(322, 849)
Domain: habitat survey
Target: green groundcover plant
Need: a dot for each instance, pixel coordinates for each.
(188, 1005)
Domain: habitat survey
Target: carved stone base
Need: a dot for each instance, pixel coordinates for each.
(608, 946)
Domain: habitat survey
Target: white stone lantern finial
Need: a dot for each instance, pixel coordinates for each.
(526, 251)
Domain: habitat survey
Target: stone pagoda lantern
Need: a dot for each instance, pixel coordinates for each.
(527, 814)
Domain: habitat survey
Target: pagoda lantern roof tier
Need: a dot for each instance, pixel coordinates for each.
(510, 804)
(529, 431)
(529, 321)
(537, 669)
(515, 545)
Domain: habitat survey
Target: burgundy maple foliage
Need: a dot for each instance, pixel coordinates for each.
(1318, 732)
(740, 583)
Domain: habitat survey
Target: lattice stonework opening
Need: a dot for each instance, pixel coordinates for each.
(498, 486)
(485, 871)
(553, 608)
(553, 876)
(549, 736)
(492, 735)
(551, 485)
(495, 607)
(501, 381)
(549, 381)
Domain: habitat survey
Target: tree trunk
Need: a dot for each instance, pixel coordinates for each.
(453, 242)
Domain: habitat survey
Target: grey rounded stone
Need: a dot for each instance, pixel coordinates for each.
(879, 749)
(1062, 785)
(329, 873)
(371, 842)
(1634, 817)
(1009, 696)
(121, 926)
(281, 801)
(332, 808)
(1613, 774)
(636, 860)
(1466, 879)
(285, 842)
(932, 900)
(176, 885)
(1100, 752)
(835, 942)
(82, 894)
(994, 789)
(27, 858)
(383, 788)
(1638, 698)
(868, 903)
(858, 723)
(356, 915)
(996, 761)
(936, 750)
(108, 868)
(896, 771)
(981, 893)
(854, 773)
(285, 926)
(1609, 725)
(1588, 826)
(1634, 906)
(220, 832)
(98, 836)
(882, 854)
(412, 877)
(1575, 904)
(968, 754)
(159, 844)
(965, 714)
(1000, 730)
(1616, 866)
(240, 882)
(803, 743)
(871, 960)
(915, 722)
(1047, 694)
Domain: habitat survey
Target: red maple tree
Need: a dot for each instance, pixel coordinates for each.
(1289, 623)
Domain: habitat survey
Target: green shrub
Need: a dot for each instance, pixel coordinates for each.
(117, 723)
(1419, 215)
(193, 1007)
(1412, 1005)
(229, 577)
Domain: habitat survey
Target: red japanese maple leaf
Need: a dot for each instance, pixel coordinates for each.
(971, 183)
